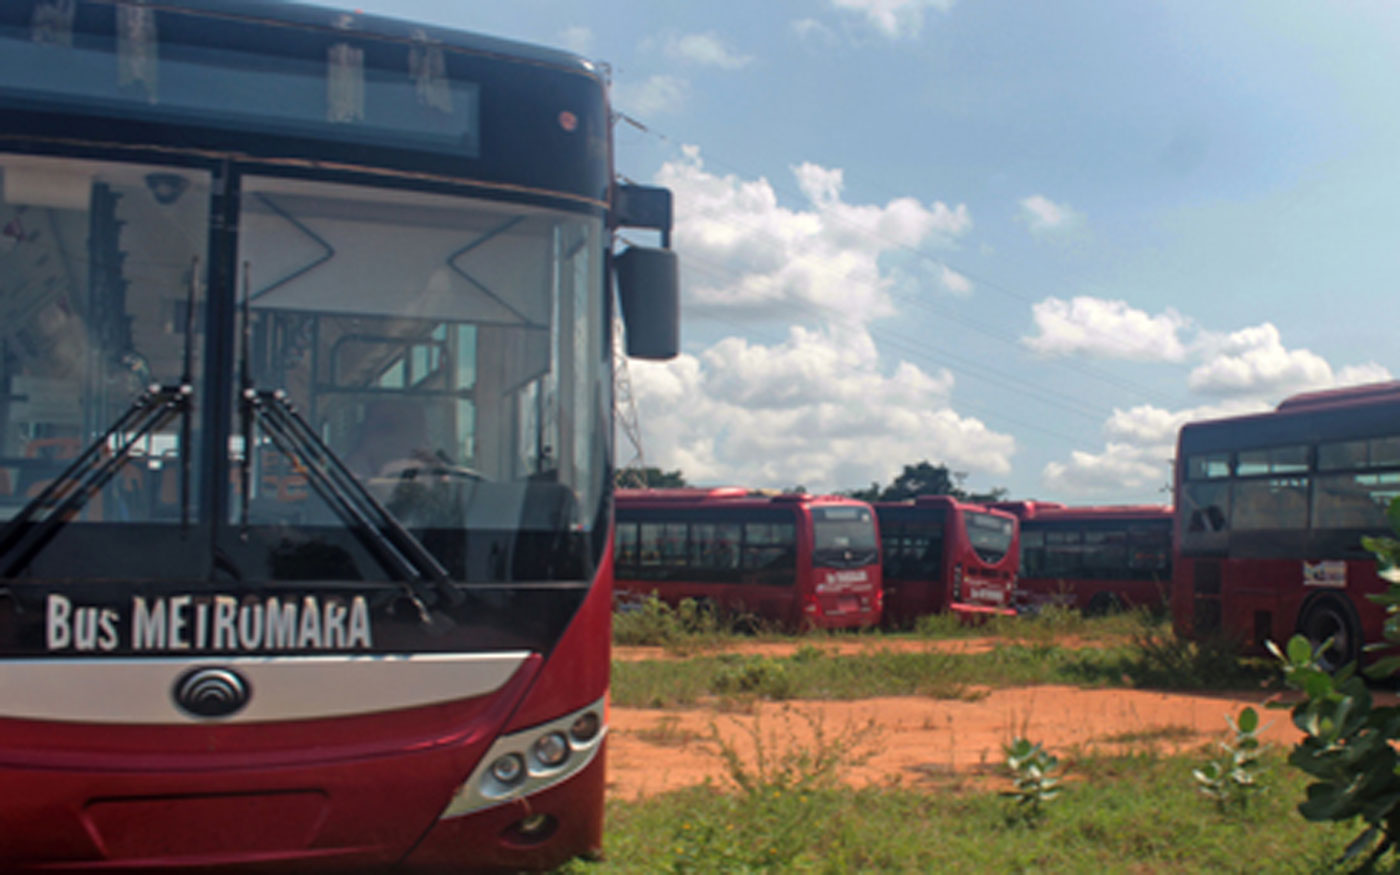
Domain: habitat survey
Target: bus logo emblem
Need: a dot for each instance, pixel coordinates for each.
(211, 692)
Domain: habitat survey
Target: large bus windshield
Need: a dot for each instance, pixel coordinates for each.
(989, 535)
(843, 536)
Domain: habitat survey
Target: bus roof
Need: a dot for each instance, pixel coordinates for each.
(1387, 391)
(938, 501)
(1030, 510)
(1339, 414)
(385, 27)
(698, 495)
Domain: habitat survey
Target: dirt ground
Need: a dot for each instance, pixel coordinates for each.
(916, 741)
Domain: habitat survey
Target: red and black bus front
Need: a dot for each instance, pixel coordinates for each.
(304, 441)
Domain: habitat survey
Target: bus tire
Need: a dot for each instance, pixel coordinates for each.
(1332, 617)
(1102, 604)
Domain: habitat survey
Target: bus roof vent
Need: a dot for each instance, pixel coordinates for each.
(1349, 395)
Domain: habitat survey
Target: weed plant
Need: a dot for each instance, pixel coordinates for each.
(1230, 777)
(1033, 780)
(650, 621)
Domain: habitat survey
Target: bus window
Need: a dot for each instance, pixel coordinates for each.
(770, 549)
(1353, 501)
(1270, 503)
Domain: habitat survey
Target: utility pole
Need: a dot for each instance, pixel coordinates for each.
(633, 473)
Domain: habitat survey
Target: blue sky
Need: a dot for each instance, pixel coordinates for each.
(1025, 240)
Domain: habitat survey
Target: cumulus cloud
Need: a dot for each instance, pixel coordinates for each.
(894, 18)
(1254, 362)
(809, 30)
(819, 407)
(707, 49)
(744, 251)
(1108, 329)
(658, 94)
(577, 39)
(1119, 468)
(816, 409)
(1043, 216)
(953, 281)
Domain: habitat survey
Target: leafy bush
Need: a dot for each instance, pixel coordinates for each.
(1232, 777)
(767, 678)
(1349, 743)
(650, 621)
(1032, 768)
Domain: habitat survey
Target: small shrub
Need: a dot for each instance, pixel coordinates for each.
(650, 621)
(756, 676)
(1164, 660)
(1232, 777)
(1033, 783)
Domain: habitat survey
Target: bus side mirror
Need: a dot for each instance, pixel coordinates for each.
(648, 284)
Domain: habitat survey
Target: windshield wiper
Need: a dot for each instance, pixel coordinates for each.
(402, 555)
(38, 521)
(30, 530)
(396, 548)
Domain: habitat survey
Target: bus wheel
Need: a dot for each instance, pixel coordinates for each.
(1101, 604)
(1332, 618)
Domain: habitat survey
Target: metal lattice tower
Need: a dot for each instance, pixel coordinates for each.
(625, 419)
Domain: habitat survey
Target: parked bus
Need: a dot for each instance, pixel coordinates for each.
(941, 554)
(1093, 559)
(801, 561)
(1270, 511)
(304, 439)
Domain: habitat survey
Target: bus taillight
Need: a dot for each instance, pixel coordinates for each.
(957, 582)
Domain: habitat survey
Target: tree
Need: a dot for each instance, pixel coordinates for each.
(924, 478)
(649, 478)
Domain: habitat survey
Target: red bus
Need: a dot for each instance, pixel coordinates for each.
(1093, 559)
(941, 554)
(1270, 511)
(304, 467)
(794, 559)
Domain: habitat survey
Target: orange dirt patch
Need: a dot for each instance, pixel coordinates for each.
(920, 741)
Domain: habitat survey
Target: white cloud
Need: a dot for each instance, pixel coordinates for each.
(1253, 362)
(1045, 217)
(742, 250)
(812, 31)
(577, 39)
(657, 94)
(954, 281)
(1119, 468)
(894, 18)
(820, 408)
(816, 409)
(707, 49)
(1107, 329)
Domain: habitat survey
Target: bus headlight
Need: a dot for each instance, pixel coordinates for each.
(529, 761)
(509, 769)
(552, 749)
(585, 727)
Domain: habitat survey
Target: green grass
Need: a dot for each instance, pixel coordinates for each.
(1130, 814)
(810, 674)
(694, 627)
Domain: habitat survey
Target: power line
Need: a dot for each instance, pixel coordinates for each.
(982, 281)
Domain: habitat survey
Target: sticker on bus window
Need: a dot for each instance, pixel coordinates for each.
(1330, 573)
